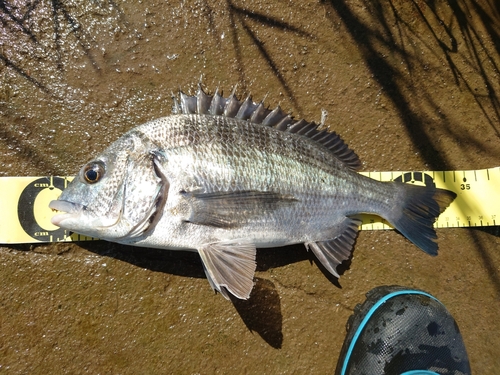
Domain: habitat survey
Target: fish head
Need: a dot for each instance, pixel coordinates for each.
(116, 196)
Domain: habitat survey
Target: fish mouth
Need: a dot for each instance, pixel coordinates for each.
(67, 210)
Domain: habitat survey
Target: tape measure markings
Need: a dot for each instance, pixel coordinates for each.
(474, 206)
(26, 215)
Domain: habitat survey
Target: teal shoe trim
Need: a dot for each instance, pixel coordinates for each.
(368, 316)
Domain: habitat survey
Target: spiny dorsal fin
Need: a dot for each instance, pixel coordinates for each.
(257, 113)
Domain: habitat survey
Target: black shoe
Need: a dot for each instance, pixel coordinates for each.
(400, 331)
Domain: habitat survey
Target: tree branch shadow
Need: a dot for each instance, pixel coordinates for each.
(375, 35)
(238, 15)
(32, 154)
(8, 63)
(18, 22)
(386, 31)
(7, 14)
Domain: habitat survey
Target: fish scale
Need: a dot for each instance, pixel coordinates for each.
(249, 165)
(223, 177)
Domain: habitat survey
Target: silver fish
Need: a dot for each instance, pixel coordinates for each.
(223, 177)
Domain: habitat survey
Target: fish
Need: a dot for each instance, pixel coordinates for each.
(223, 176)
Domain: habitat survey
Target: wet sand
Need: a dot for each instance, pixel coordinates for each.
(408, 85)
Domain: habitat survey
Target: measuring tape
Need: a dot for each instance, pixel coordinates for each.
(26, 214)
(477, 203)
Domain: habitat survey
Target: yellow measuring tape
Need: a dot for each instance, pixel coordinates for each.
(26, 216)
(477, 203)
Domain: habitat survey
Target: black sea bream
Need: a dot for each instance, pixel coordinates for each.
(224, 177)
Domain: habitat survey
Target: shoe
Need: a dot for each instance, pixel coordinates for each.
(401, 331)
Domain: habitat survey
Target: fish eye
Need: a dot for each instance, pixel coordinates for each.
(93, 172)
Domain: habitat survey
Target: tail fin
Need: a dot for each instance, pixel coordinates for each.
(420, 208)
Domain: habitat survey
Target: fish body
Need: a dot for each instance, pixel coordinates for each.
(224, 177)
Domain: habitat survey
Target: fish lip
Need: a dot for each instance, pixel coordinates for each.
(66, 206)
(67, 210)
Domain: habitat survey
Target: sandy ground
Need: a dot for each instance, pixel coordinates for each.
(410, 85)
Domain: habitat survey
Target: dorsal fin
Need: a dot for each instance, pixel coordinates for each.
(257, 113)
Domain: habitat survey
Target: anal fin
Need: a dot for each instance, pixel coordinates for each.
(230, 267)
(334, 251)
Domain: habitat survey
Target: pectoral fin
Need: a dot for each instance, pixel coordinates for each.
(231, 209)
(334, 251)
(230, 267)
